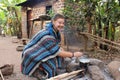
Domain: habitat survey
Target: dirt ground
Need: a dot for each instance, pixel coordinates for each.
(9, 55)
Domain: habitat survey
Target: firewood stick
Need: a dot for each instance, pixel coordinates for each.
(1, 75)
(61, 76)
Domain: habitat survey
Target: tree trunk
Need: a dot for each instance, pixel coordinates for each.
(112, 31)
(88, 18)
(106, 34)
(100, 30)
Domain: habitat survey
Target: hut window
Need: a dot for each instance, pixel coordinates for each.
(48, 9)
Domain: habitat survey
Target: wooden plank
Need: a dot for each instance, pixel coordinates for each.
(1, 75)
(65, 75)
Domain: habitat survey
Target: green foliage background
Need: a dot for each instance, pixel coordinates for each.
(10, 17)
(98, 17)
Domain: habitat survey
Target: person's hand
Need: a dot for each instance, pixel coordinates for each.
(61, 49)
(78, 54)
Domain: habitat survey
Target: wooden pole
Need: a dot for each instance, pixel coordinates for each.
(1, 75)
(61, 76)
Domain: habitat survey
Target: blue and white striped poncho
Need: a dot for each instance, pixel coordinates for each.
(42, 50)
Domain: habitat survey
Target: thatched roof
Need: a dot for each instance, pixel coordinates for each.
(30, 3)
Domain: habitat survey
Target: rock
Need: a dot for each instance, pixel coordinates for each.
(15, 39)
(117, 59)
(97, 62)
(7, 69)
(24, 41)
(114, 69)
(96, 73)
(20, 48)
(67, 60)
(72, 66)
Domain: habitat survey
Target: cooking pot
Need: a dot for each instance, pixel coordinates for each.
(83, 63)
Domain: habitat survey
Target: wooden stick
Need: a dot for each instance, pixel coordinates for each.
(1, 75)
(61, 76)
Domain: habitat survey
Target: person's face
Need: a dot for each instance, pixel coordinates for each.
(58, 24)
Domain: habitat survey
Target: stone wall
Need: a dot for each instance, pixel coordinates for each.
(38, 10)
(58, 6)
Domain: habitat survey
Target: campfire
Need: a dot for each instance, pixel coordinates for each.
(90, 69)
(80, 69)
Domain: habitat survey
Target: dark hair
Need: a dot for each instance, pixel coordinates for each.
(57, 16)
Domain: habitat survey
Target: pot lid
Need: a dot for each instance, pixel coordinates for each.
(84, 60)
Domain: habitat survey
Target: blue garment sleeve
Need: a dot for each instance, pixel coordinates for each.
(51, 45)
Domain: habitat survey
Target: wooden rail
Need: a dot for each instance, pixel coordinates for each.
(101, 40)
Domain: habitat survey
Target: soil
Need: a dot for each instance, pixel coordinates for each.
(9, 55)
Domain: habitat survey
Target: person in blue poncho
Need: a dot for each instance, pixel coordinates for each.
(42, 56)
